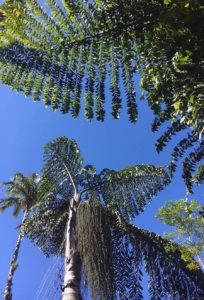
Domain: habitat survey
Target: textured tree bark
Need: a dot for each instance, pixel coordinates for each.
(72, 272)
(13, 263)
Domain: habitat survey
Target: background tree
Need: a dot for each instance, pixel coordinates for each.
(67, 54)
(187, 227)
(22, 195)
(86, 216)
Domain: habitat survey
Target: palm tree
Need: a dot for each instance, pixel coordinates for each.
(70, 52)
(22, 195)
(86, 216)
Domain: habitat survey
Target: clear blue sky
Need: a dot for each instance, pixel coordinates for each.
(26, 126)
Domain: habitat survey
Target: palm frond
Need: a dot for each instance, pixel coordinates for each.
(129, 190)
(21, 191)
(62, 164)
(9, 202)
(169, 275)
(102, 44)
(46, 226)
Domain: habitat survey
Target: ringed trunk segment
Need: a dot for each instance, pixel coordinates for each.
(72, 268)
(13, 264)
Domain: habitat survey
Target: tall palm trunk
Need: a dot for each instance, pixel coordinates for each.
(13, 263)
(72, 270)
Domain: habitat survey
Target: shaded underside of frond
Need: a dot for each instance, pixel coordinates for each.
(114, 253)
(46, 227)
(72, 52)
(77, 46)
(61, 79)
(169, 276)
(10, 202)
(131, 189)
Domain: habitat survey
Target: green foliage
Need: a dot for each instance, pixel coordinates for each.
(72, 31)
(127, 191)
(63, 163)
(188, 227)
(112, 251)
(168, 273)
(21, 192)
(46, 227)
(72, 52)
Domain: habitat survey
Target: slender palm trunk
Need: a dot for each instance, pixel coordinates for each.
(13, 263)
(72, 270)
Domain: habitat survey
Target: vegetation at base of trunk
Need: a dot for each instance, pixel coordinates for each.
(22, 196)
(187, 228)
(112, 251)
(70, 53)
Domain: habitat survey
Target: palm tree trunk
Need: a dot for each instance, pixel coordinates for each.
(72, 272)
(13, 263)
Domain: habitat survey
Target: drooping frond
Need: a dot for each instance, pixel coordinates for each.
(76, 48)
(83, 33)
(167, 136)
(169, 276)
(115, 81)
(10, 202)
(94, 246)
(180, 149)
(189, 166)
(46, 227)
(129, 190)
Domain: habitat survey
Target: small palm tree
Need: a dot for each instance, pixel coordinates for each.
(22, 196)
(86, 216)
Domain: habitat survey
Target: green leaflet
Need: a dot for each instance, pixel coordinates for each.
(100, 82)
(114, 81)
(89, 85)
(78, 83)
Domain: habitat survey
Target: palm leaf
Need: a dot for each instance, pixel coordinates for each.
(119, 40)
(63, 164)
(9, 202)
(131, 189)
(169, 275)
(21, 191)
(46, 227)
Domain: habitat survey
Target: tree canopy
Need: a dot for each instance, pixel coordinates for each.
(187, 227)
(71, 52)
(21, 193)
(112, 250)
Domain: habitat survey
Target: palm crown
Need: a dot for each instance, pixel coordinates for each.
(110, 248)
(22, 193)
